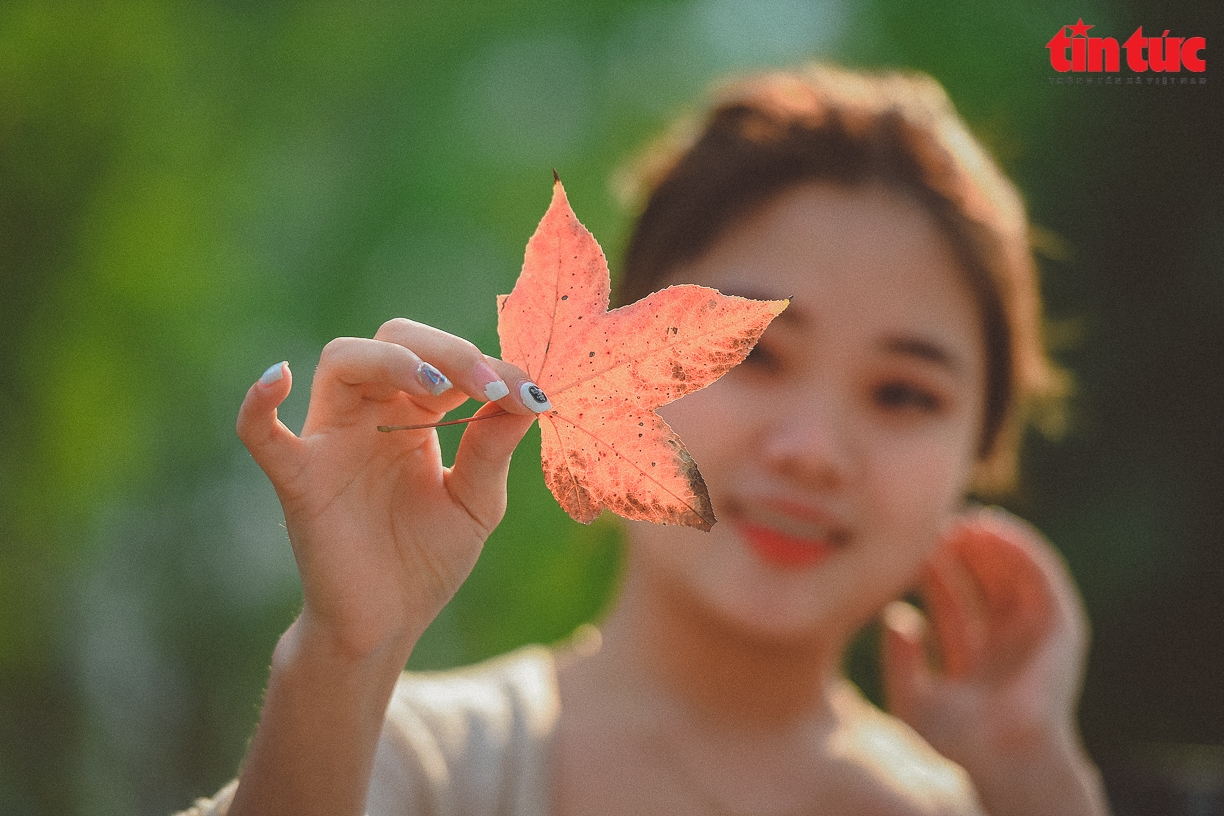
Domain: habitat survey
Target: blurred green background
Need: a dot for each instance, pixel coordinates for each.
(190, 192)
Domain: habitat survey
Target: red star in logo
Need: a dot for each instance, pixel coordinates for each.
(1079, 29)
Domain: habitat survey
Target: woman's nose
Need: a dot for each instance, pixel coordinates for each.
(808, 441)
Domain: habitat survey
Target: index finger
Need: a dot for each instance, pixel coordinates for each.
(355, 369)
(485, 378)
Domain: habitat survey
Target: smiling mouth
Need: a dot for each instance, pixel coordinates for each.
(783, 549)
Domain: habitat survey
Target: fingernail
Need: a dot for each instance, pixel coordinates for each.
(274, 373)
(534, 398)
(435, 381)
(494, 387)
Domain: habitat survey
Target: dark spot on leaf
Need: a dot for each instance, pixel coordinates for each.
(703, 509)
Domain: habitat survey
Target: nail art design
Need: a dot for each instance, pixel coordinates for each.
(534, 398)
(435, 381)
(274, 373)
(494, 388)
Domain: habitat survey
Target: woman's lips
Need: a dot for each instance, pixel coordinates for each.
(784, 549)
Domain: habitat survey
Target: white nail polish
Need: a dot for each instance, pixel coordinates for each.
(496, 390)
(435, 381)
(534, 398)
(273, 374)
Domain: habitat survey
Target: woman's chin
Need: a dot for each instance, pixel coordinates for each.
(765, 611)
(772, 590)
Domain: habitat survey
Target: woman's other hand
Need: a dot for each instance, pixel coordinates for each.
(382, 532)
(991, 679)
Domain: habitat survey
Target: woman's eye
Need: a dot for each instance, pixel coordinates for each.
(904, 396)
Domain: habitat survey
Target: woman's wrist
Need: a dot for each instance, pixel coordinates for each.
(1042, 772)
(310, 649)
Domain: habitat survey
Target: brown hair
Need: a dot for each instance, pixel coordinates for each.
(773, 131)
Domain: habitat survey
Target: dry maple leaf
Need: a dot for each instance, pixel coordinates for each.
(605, 372)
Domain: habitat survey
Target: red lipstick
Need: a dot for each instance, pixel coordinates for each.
(781, 549)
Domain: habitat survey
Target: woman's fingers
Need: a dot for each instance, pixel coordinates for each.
(1043, 615)
(1015, 593)
(434, 369)
(479, 376)
(1049, 586)
(905, 672)
(954, 608)
(1025, 582)
(353, 370)
(274, 447)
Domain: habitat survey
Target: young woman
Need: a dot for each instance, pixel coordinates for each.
(838, 458)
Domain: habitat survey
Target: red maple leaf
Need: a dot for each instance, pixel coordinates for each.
(605, 372)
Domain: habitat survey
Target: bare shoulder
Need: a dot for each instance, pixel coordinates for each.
(893, 768)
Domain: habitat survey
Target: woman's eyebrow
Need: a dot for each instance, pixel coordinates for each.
(923, 349)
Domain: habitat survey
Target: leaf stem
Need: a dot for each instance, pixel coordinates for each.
(463, 421)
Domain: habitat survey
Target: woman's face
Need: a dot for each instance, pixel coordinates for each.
(836, 453)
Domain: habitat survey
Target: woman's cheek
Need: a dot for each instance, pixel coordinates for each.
(708, 422)
(922, 484)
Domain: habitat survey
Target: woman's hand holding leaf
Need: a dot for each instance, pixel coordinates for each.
(383, 532)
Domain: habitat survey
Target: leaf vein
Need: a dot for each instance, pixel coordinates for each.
(689, 340)
(645, 474)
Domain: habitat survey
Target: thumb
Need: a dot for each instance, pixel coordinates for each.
(905, 673)
(274, 447)
(477, 481)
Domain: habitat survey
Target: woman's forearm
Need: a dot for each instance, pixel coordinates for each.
(323, 712)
